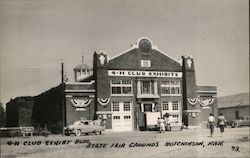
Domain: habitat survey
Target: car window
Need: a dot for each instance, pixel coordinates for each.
(86, 123)
(77, 123)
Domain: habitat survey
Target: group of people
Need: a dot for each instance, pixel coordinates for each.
(163, 123)
(212, 124)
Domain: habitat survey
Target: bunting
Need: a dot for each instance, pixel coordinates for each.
(103, 102)
(193, 101)
(206, 101)
(80, 104)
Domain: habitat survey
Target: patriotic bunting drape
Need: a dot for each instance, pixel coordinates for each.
(103, 102)
(80, 104)
(193, 101)
(204, 102)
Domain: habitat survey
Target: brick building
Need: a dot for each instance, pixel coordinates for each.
(131, 90)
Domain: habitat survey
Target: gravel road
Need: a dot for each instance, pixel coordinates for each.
(147, 144)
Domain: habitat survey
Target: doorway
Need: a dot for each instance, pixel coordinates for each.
(237, 116)
(147, 107)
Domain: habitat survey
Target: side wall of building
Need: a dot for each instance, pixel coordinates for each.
(74, 113)
(19, 112)
(231, 112)
(79, 102)
(38, 111)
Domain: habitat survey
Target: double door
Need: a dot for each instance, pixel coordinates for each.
(121, 116)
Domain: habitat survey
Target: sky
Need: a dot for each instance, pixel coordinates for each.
(36, 34)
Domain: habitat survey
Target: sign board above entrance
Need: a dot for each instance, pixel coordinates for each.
(132, 73)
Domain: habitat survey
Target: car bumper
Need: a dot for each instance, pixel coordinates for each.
(68, 131)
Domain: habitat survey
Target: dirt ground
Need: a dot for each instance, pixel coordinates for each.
(187, 143)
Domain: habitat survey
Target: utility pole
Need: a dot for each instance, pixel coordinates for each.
(63, 98)
(62, 72)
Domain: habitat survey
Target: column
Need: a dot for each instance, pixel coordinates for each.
(155, 88)
(142, 108)
(75, 76)
(153, 107)
(138, 87)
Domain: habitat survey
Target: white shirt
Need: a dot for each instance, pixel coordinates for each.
(211, 119)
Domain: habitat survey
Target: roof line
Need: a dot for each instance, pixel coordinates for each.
(136, 45)
(233, 106)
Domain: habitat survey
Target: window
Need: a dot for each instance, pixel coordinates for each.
(126, 117)
(116, 82)
(146, 87)
(148, 107)
(165, 90)
(121, 107)
(177, 90)
(116, 90)
(116, 117)
(126, 106)
(126, 82)
(84, 72)
(126, 90)
(165, 105)
(175, 116)
(175, 105)
(115, 106)
(86, 123)
(170, 105)
(145, 63)
(119, 87)
(78, 72)
(171, 87)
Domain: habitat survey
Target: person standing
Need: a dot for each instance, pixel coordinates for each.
(161, 124)
(222, 123)
(211, 123)
(167, 123)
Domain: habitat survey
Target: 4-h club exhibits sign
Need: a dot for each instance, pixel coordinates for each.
(131, 73)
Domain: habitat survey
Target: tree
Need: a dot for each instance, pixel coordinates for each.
(2, 115)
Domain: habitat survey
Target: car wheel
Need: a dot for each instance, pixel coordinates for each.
(98, 132)
(234, 125)
(78, 132)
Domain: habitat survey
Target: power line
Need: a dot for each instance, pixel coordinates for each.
(4, 69)
(13, 56)
(54, 59)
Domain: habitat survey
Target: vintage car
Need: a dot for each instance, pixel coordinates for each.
(242, 121)
(227, 124)
(84, 127)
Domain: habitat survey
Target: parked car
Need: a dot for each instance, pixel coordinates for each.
(242, 121)
(227, 124)
(84, 127)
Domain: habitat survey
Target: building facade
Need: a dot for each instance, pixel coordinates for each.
(234, 106)
(131, 90)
